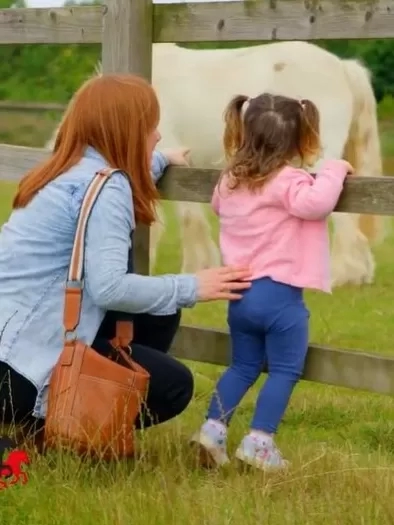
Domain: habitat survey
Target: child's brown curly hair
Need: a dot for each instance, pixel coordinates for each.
(265, 133)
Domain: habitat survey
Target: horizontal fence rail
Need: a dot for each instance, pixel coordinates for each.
(265, 20)
(6, 105)
(273, 20)
(61, 25)
(331, 366)
(360, 195)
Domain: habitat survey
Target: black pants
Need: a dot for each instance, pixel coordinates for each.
(171, 382)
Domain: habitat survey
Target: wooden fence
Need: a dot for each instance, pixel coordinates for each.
(38, 107)
(126, 29)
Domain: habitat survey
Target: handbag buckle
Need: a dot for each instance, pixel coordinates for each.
(128, 349)
(70, 336)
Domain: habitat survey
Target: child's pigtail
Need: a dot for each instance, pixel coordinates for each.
(233, 131)
(310, 131)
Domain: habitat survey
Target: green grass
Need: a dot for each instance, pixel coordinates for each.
(340, 442)
(26, 128)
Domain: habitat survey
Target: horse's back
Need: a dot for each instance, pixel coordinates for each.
(194, 87)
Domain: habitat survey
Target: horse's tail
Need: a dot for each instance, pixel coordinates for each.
(362, 149)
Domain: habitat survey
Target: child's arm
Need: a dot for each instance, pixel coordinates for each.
(311, 198)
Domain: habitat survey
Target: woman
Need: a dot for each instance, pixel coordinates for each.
(112, 121)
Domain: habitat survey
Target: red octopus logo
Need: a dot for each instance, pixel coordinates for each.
(11, 471)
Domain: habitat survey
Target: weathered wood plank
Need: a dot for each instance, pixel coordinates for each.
(196, 22)
(16, 160)
(127, 48)
(274, 20)
(357, 370)
(39, 107)
(360, 195)
(127, 37)
(61, 25)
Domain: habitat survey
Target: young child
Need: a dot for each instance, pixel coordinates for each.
(273, 216)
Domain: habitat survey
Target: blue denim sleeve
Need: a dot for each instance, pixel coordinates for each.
(159, 164)
(106, 256)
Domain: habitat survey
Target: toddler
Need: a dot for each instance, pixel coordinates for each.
(273, 217)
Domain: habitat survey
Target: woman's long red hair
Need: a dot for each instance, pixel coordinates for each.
(114, 114)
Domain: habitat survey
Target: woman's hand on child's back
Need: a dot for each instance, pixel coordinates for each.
(224, 282)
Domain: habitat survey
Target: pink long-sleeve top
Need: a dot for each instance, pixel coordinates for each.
(281, 231)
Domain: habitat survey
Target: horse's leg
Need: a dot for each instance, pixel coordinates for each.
(364, 152)
(353, 260)
(347, 240)
(199, 248)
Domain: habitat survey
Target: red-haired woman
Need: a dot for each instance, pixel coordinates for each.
(111, 122)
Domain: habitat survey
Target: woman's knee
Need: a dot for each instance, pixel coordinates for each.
(167, 397)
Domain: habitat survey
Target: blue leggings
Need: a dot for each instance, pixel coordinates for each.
(269, 324)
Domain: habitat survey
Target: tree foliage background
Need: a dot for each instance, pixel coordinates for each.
(51, 73)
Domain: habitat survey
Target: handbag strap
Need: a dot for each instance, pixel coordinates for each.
(74, 285)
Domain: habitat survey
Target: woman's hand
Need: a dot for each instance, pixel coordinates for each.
(224, 282)
(176, 156)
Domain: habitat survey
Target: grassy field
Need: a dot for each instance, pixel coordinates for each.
(340, 442)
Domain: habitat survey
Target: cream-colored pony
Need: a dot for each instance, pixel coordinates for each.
(194, 86)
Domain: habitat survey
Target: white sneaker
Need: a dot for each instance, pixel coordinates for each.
(211, 443)
(260, 454)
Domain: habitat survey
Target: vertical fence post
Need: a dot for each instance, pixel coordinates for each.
(127, 48)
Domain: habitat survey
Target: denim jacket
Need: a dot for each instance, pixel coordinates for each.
(35, 251)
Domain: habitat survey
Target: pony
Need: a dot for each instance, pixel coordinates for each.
(194, 87)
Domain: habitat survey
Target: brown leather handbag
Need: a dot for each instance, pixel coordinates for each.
(93, 400)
